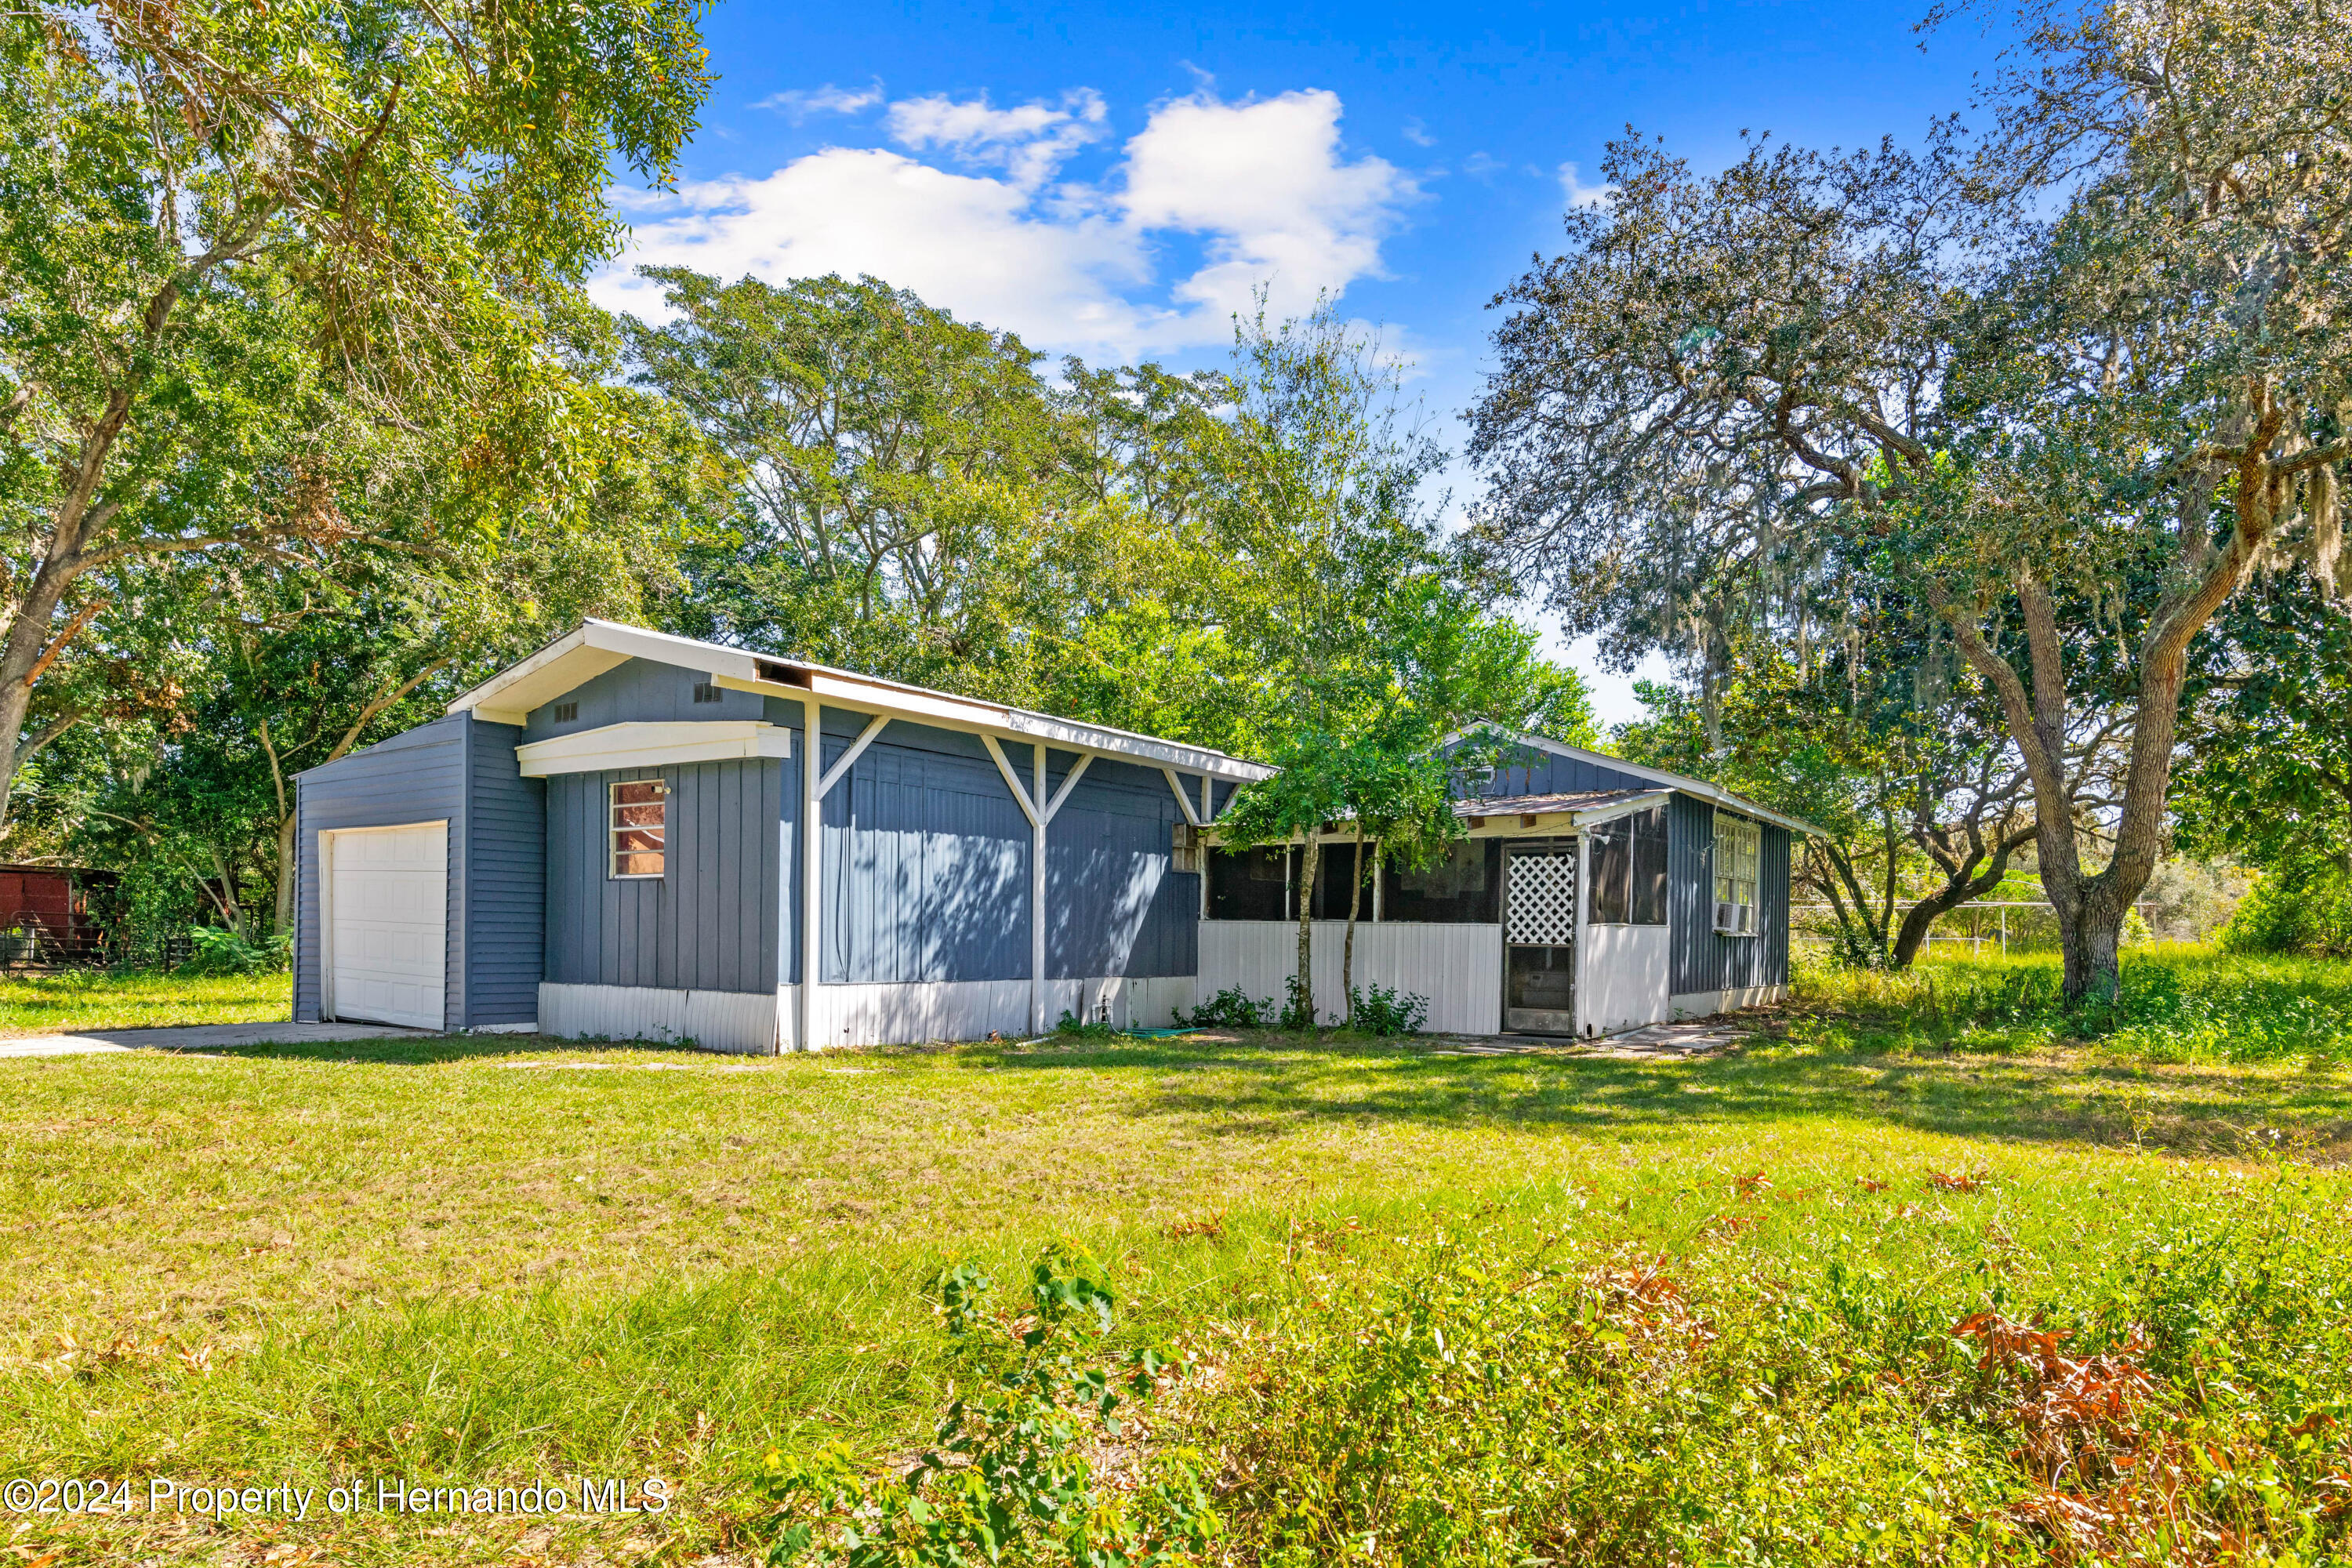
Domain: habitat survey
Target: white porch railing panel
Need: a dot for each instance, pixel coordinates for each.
(1625, 978)
(1458, 967)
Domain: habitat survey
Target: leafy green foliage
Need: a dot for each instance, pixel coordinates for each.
(1382, 1010)
(219, 950)
(1586, 1402)
(263, 267)
(1017, 1468)
(1232, 1008)
(2181, 1005)
(2310, 912)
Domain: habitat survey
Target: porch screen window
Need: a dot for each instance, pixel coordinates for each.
(1628, 860)
(1465, 887)
(639, 826)
(1739, 851)
(1247, 885)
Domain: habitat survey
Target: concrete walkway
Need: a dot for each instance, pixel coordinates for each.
(201, 1037)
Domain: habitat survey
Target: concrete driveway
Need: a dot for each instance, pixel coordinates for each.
(201, 1037)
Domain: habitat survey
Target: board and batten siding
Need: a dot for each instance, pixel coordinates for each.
(505, 885)
(1553, 774)
(927, 867)
(926, 861)
(462, 771)
(711, 921)
(1113, 906)
(1704, 959)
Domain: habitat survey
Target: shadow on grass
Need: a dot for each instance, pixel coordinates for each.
(430, 1051)
(1249, 1087)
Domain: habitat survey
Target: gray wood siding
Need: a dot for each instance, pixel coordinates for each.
(926, 861)
(710, 923)
(505, 885)
(640, 691)
(1703, 959)
(419, 776)
(1112, 906)
(1560, 775)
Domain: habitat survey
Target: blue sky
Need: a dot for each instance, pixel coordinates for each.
(1112, 180)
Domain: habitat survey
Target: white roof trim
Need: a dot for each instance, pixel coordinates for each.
(596, 647)
(1713, 794)
(652, 745)
(1589, 817)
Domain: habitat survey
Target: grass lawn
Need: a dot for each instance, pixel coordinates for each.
(87, 999)
(495, 1259)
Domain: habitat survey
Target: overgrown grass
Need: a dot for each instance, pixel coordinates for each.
(489, 1260)
(95, 999)
(2179, 1003)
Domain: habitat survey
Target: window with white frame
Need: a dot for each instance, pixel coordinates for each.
(640, 824)
(1738, 852)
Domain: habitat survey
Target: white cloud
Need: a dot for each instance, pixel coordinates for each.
(1261, 189)
(1482, 167)
(1418, 134)
(797, 106)
(1580, 195)
(1029, 142)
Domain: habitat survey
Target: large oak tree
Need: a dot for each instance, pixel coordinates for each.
(2072, 382)
(254, 256)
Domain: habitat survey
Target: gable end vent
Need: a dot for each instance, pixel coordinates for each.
(565, 712)
(705, 692)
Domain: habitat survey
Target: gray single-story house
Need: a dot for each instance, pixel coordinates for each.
(607, 841)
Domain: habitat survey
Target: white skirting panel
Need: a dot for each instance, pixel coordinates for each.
(1701, 1004)
(1149, 1002)
(1458, 967)
(743, 1022)
(910, 1013)
(906, 1013)
(1624, 979)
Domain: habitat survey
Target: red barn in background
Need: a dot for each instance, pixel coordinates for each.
(45, 914)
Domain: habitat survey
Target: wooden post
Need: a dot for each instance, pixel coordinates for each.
(812, 877)
(1037, 822)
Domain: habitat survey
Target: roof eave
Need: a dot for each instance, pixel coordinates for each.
(1715, 794)
(594, 647)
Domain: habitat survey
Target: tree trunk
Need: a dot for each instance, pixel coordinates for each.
(1348, 949)
(2092, 945)
(1302, 988)
(283, 910)
(1960, 885)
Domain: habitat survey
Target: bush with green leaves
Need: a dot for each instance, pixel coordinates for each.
(2308, 912)
(1016, 1471)
(219, 950)
(1382, 1010)
(1085, 1029)
(1232, 1008)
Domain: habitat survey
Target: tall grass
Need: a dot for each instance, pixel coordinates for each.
(2180, 1004)
(99, 999)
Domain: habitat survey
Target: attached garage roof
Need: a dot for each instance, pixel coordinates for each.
(579, 657)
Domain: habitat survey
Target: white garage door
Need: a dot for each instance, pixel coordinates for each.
(387, 911)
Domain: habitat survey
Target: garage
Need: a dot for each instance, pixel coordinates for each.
(387, 909)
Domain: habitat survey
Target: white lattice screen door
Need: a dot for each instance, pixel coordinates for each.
(1539, 884)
